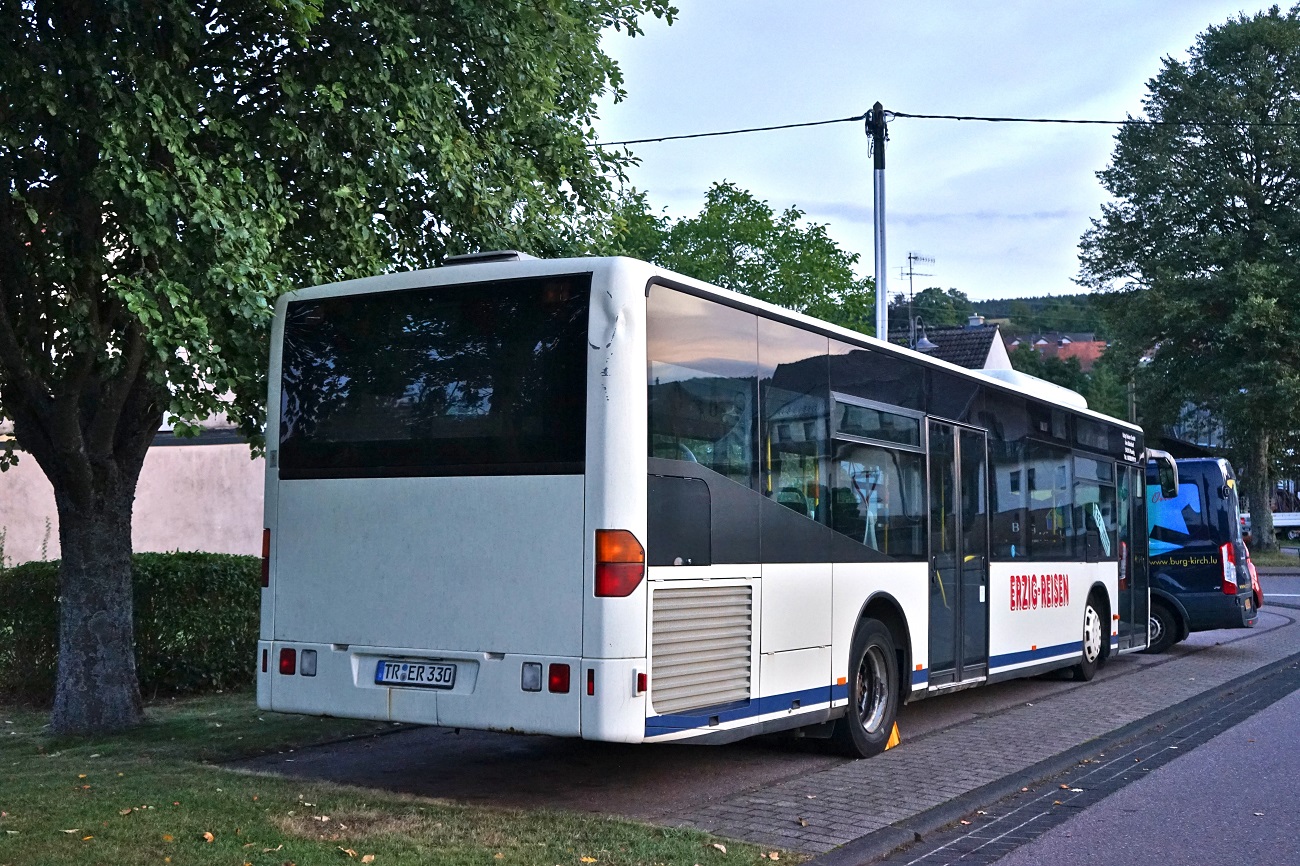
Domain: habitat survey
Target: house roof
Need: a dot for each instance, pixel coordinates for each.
(964, 345)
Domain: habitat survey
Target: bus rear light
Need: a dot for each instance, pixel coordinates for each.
(591, 681)
(620, 563)
(1228, 556)
(557, 679)
(288, 661)
(642, 682)
(265, 655)
(266, 557)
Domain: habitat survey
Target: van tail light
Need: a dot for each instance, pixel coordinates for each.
(620, 563)
(288, 661)
(266, 557)
(1228, 556)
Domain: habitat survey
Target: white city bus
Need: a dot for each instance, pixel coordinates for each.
(593, 498)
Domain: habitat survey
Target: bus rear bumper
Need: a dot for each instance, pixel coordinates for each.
(491, 691)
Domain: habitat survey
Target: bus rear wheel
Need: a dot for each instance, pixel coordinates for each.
(1094, 635)
(873, 692)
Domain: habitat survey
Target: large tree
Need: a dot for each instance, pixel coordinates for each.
(1202, 242)
(738, 242)
(172, 165)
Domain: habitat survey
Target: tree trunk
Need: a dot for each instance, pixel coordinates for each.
(97, 685)
(1259, 488)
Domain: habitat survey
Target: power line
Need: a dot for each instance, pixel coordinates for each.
(731, 131)
(891, 115)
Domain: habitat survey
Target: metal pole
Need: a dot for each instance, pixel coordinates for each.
(876, 127)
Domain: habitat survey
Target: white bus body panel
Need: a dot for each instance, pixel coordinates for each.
(1023, 637)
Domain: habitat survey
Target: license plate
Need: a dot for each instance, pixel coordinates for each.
(429, 675)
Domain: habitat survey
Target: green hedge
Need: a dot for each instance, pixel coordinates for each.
(196, 621)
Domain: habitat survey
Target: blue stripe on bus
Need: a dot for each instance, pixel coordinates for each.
(736, 711)
(1039, 654)
(920, 677)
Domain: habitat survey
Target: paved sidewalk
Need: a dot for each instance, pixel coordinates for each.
(818, 812)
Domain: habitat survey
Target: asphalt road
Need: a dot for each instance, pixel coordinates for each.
(645, 781)
(1231, 801)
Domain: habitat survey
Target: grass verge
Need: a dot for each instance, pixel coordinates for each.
(154, 796)
(1274, 558)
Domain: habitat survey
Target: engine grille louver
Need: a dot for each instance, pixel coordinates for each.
(701, 640)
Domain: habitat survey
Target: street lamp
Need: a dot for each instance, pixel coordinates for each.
(923, 344)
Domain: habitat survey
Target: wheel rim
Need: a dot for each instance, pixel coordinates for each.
(1091, 634)
(872, 695)
(1157, 630)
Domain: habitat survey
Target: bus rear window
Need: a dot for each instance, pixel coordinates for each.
(477, 379)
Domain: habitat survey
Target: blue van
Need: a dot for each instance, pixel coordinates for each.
(1199, 564)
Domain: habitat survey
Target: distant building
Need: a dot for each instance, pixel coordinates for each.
(1085, 347)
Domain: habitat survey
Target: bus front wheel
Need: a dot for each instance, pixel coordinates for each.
(1094, 635)
(873, 692)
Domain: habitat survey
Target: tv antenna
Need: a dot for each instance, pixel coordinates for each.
(913, 259)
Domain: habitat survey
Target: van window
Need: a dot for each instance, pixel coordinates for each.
(1176, 523)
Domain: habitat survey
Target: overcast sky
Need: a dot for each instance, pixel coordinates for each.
(1000, 207)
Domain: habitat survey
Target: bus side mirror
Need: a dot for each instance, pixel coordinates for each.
(1166, 472)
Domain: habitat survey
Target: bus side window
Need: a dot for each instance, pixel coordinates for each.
(877, 498)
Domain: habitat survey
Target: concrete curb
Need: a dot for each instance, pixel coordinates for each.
(881, 843)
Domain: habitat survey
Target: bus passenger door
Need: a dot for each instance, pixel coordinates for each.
(959, 539)
(1134, 597)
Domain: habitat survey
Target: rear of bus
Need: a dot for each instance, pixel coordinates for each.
(1200, 573)
(434, 495)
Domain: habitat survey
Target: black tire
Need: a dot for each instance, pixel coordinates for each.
(1095, 632)
(1164, 628)
(873, 692)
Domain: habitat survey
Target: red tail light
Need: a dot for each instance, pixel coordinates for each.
(620, 563)
(288, 661)
(557, 679)
(1228, 556)
(266, 557)
(591, 681)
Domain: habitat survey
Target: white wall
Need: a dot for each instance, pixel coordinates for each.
(190, 497)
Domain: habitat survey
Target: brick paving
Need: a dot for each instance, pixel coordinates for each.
(817, 812)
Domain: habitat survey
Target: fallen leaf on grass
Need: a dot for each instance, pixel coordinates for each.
(73, 830)
(167, 837)
(500, 856)
(583, 859)
(86, 838)
(269, 850)
(208, 837)
(369, 858)
(348, 851)
(773, 855)
(720, 847)
(125, 811)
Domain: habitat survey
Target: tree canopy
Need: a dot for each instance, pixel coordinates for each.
(934, 306)
(738, 242)
(1201, 246)
(173, 166)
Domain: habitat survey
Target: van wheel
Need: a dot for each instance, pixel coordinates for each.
(873, 692)
(1164, 628)
(1092, 642)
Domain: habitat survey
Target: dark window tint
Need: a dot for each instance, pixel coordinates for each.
(871, 423)
(877, 375)
(1051, 502)
(703, 370)
(878, 498)
(795, 393)
(484, 378)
